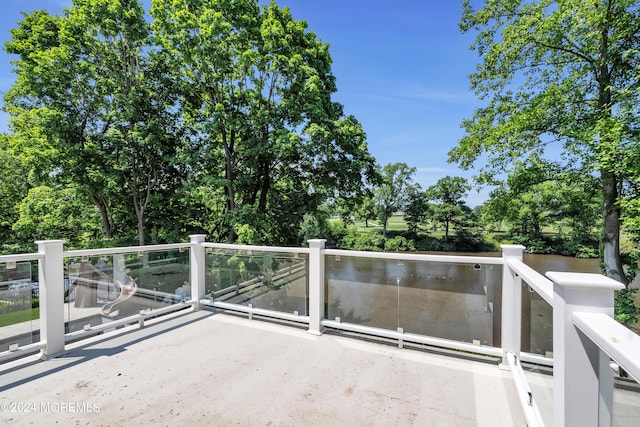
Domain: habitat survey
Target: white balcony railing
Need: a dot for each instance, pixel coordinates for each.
(586, 338)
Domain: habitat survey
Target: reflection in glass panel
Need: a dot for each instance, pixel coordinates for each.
(626, 395)
(537, 323)
(103, 288)
(19, 304)
(363, 290)
(626, 401)
(453, 301)
(268, 280)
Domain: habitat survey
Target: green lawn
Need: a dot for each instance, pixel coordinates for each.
(395, 223)
(19, 316)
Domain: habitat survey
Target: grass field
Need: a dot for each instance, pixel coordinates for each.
(19, 316)
(395, 223)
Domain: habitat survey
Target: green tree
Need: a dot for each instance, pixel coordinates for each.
(448, 195)
(13, 188)
(417, 208)
(558, 74)
(256, 89)
(366, 210)
(56, 213)
(88, 107)
(391, 194)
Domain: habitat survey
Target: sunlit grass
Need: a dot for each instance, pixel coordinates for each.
(19, 316)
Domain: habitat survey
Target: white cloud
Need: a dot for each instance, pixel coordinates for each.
(436, 170)
(437, 95)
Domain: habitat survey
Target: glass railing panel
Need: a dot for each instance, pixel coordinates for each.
(268, 280)
(19, 304)
(451, 301)
(540, 381)
(99, 289)
(446, 300)
(626, 402)
(364, 291)
(537, 323)
(626, 396)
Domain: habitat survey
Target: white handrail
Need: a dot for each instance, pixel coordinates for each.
(620, 343)
(461, 259)
(237, 247)
(20, 257)
(123, 250)
(539, 283)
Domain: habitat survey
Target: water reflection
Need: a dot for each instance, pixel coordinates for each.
(453, 301)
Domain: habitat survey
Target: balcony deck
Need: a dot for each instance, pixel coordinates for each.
(205, 368)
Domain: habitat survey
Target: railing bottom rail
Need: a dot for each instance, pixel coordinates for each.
(136, 318)
(22, 351)
(402, 337)
(251, 311)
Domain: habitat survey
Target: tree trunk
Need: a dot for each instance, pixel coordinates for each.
(384, 227)
(446, 231)
(107, 227)
(229, 185)
(611, 257)
(264, 191)
(611, 246)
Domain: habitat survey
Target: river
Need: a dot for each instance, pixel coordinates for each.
(455, 301)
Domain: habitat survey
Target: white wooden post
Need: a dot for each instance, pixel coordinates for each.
(511, 305)
(316, 285)
(197, 266)
(51, 283)
(582, 378)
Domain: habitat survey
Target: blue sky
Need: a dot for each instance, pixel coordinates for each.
(401, 68)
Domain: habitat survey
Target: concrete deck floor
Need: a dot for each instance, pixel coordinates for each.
(203, 368)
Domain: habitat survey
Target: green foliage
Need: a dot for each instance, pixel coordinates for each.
(557, 75)
(90, 109)
(399, 244)
(449, 194)
(355, 240)
(390, 195)
(538, 195)
(315, 226)
(213, 117)
(52, 213)
(13, 188)
(417, 208)
(626, 312)
(256, 87)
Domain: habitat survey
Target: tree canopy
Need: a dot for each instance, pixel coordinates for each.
(559, 77)
(210, 116)
(449, 195)
(391, 194)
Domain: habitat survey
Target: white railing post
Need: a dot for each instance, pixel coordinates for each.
(51, 283)
(197, 266)
(316, 285)
(511, 324)
(582, 378)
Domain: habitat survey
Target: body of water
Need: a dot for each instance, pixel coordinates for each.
(454, 301)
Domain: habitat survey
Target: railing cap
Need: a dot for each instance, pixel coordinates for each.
(506, 246)
(317, 243)
(512, 251)
(583, 280)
